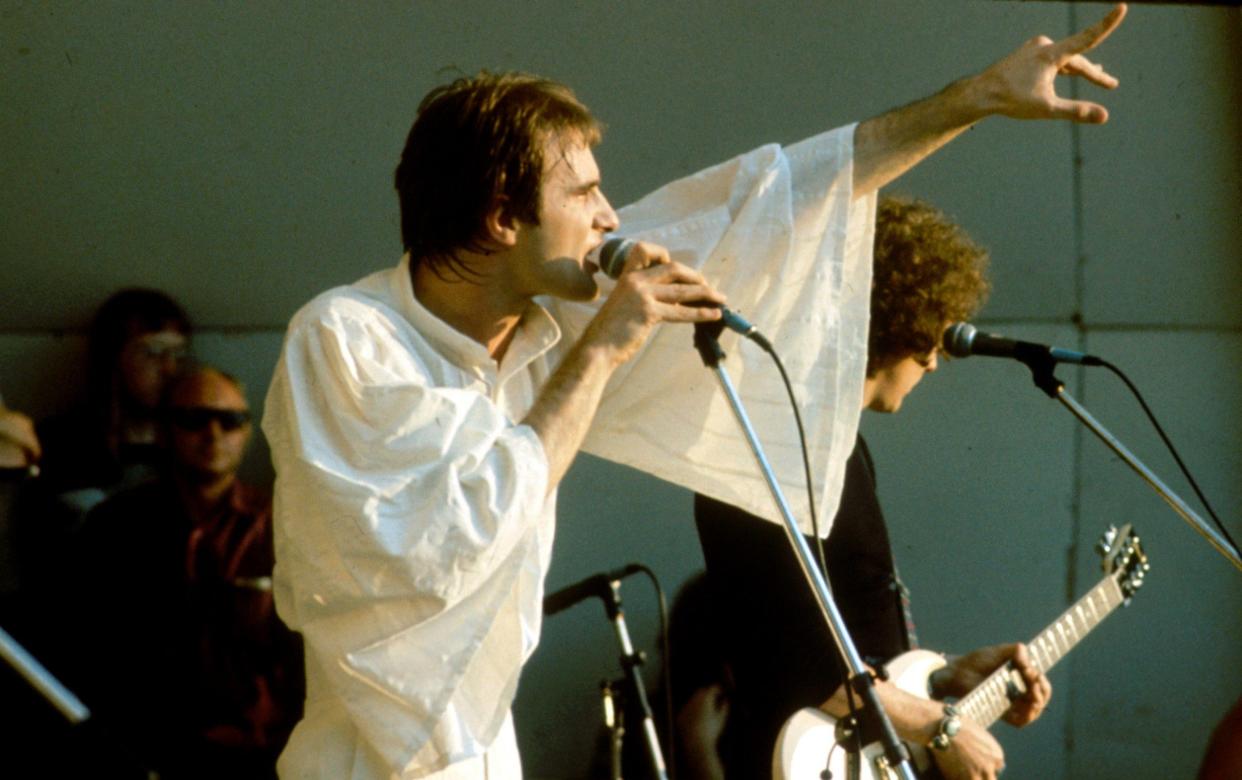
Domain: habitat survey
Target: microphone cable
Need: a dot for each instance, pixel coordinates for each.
(820, 554)
(806, 459)
(1172, 450)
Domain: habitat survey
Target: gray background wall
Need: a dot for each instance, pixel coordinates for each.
(239, 156)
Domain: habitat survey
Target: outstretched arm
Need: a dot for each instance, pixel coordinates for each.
(1022, 85)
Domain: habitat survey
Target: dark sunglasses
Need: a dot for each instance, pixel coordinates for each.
(196, 418)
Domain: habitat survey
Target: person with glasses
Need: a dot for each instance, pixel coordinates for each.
(928, 273)
(189, 667)
(136, 342)
(105, 441)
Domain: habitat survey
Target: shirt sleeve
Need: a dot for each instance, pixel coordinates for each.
(406, 503)
(780, 232)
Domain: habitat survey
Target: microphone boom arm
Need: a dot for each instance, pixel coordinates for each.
(1164, 491)
(1041, 374)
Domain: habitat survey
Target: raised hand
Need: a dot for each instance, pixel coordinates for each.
(1023, 84)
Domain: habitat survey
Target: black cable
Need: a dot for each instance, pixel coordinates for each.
(806, 459)
(667, 672)
(844, 673)
(1172, 450)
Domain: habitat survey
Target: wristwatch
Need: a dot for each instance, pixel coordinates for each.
(950, 724)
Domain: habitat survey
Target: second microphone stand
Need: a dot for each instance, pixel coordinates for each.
(872, 717)
(1041, 367)
(634, 690)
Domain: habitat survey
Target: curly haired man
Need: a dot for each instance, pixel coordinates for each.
(928, 273)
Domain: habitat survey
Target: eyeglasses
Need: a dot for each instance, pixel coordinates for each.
(153, 351)
(196, 418)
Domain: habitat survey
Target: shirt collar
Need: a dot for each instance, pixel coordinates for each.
(537, 331)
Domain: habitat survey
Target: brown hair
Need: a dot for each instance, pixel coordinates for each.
(927, 274)
(474, 140)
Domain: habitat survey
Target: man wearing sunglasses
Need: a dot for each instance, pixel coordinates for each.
(194, 672)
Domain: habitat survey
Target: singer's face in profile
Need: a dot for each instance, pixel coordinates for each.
(890, 385)
(574, 215)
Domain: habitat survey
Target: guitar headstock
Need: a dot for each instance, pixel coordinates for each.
(1124, 558)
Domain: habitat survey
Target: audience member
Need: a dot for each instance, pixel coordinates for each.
(181, 654)
(19, 452)
(137, 340)
(19, 445)
(1223, 758)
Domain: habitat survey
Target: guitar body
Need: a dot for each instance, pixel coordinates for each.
(808, 742)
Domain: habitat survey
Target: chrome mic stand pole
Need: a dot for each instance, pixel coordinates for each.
(1041, 373)
(896, 755)
(42, 680)
(635, 691)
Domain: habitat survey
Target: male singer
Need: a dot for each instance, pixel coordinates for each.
(421, 419)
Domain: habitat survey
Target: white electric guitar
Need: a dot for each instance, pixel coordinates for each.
(812, 741)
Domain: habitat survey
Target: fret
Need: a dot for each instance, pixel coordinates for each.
(1053, 637)
(1050, 650)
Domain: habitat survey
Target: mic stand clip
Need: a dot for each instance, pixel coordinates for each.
(871, 716)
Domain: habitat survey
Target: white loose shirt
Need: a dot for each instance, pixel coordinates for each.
(412, 521)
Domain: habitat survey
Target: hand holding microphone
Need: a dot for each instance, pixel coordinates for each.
(611, 256)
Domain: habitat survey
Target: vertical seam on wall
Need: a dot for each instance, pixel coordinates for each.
(1078, 320)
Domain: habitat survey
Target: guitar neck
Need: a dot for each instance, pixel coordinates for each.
(991, 698)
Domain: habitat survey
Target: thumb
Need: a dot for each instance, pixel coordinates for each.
(1079, 111)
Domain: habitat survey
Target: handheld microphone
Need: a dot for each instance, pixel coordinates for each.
(595, 585)
(610, 257)
(961, 339)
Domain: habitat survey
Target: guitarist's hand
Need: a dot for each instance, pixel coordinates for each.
(964, 672)
(973, 754)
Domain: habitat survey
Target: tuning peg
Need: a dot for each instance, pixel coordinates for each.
(1106, 540)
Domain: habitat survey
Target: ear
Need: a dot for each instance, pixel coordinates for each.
(501, 225)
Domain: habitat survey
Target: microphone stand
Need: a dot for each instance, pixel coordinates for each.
(1041, 373)
(635, 691)
(42, 680)
(872, 717)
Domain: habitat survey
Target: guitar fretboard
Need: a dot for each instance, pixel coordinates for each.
(990, 700)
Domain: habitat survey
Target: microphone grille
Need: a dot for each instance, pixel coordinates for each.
(612, 256)
(959, 339)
